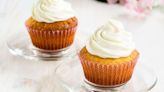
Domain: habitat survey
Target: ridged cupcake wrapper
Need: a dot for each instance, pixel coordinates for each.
(52, 39)
(107, 75)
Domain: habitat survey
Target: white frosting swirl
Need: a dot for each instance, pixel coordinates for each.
(111, 41)
(50, 11)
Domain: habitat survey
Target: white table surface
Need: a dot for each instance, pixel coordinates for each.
(17, 75)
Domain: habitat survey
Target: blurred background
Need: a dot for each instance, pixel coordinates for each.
(144, 18)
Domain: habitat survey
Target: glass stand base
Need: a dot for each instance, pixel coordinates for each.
(23, 47)
(97, 88)
(71, 77)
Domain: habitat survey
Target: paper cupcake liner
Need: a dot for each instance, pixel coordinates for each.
(107, 75)
(52, 39)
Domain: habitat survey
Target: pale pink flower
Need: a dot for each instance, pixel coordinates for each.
(162, 2)
(140, 7)
(158, 2)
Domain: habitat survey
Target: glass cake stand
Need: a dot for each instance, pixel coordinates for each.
(20, 44)
(70, 73)
(71, 77)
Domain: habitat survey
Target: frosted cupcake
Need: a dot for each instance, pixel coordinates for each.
(109, 57)
(52, 25)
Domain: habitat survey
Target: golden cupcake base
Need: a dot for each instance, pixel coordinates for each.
(107, 72)
(52, 40)
(52, 36)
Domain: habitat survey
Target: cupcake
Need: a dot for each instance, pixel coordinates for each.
(109, 57)
(52, 25)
